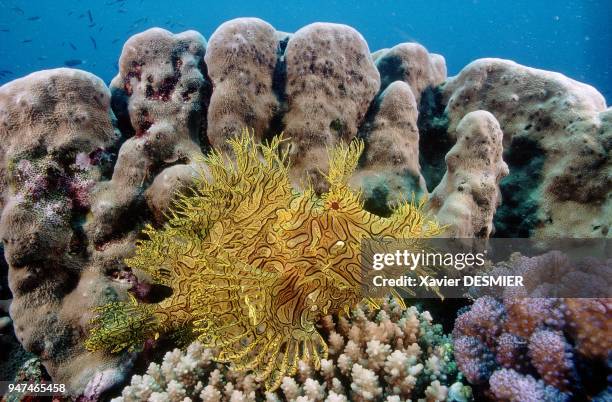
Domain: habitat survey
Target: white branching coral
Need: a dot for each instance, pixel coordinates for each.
(365, 384)
(391, 354)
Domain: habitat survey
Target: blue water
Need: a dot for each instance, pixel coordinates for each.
(572, 37)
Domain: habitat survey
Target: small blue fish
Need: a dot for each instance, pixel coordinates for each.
(73, 62)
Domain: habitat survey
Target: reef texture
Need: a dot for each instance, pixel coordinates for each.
(159, 90)
(241, 60)
(530, 348)
(468, 195)
(76, 191)
(389, 354)
(31, 370)
(331, 81)
(557, 143)
(84, 169)
(389, 172)
(412, 64)
(56, 129)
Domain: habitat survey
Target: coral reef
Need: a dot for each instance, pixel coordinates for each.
(468, 195)
(412, 64)
(331, 80)
(159, 93)
(253, 264)
(84, 169)
(241, 60)
(51, 122)
(531, 348)
(75, 193)
(390, 354)
(561, 274)
(31, 370)
(12, 354)
(557, 143)
(389, 171)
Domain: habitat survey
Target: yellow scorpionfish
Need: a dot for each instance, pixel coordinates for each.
(254, 264)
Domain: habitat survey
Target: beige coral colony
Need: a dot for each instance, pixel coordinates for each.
(500, 149)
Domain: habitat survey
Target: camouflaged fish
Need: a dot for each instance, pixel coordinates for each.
(254, 264)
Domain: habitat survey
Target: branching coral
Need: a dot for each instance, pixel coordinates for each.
(530, 349)
(253, 264)
(388, 354)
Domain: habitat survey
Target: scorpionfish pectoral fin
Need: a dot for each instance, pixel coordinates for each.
(237, 319)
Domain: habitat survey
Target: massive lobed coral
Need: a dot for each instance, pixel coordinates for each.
(557, 135)
(244, 92)
(56, 133)
(331, 80)
(389, 172)
(158, 96)
(468, 194)
(391, 354)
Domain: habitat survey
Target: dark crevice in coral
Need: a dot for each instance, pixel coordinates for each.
(131, 218)
(592, 379)
(143, 127)
(61, 275)
(340, 127)
(192, 88)
(5, 292)
(434, 140)
(365, 128)
(119, 105)
(442, 310)
(105, 159)
(517, 215)
(157, 168)
(205, 93)
(391, 69)
(279, 83)
(376, 202)
(194, 125)
(79, 242)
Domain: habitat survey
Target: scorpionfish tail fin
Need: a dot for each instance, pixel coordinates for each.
(122, 325)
